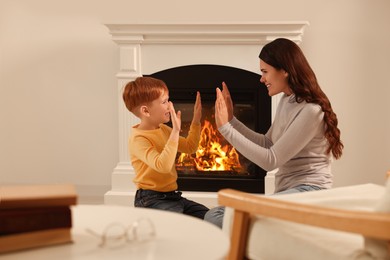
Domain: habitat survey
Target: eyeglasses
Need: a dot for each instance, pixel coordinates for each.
(116, 234)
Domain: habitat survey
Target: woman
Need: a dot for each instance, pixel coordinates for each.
(304, 135)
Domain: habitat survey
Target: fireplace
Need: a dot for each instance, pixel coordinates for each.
(152, 48)
(217, 164)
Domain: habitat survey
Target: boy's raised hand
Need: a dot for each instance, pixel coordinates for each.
(197, 109)
(175, 118)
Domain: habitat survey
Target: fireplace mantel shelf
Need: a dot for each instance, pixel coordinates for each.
(206, 33)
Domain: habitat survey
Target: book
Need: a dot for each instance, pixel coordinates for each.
(35, 215)
(15, 221)
(27, 196)
(28, 240)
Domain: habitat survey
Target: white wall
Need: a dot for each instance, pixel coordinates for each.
(58, 99)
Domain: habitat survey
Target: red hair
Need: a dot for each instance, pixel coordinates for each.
(142, 91)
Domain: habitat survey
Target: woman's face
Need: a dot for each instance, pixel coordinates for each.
(275, 80)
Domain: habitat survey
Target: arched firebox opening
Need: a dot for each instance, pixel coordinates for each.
(252, 106)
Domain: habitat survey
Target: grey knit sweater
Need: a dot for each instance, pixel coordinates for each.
(295, 144)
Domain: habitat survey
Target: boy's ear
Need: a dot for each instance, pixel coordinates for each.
(144, 110)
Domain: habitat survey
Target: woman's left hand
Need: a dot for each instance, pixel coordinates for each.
(221, 110)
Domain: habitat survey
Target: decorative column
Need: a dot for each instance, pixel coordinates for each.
(129, 69)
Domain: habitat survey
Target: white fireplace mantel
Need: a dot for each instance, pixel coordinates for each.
(206, 33)
(145, 48)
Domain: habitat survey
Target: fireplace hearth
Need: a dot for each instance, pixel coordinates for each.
(252, 106)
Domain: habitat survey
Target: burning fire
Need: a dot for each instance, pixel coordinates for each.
(211, 156)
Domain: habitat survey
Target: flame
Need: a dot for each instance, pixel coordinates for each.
(211, 155)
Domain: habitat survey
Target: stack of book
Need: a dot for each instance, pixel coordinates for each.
(35, 215)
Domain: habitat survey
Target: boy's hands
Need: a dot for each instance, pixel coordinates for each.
(175, 118)
(197, 109)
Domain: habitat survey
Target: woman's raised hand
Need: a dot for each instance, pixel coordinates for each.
(221, 110)
(228, 100)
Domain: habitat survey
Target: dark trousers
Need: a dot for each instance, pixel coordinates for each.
(170, 201)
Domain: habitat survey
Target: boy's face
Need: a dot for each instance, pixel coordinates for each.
(159, 109)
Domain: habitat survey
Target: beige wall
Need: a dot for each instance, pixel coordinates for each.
(58, 100)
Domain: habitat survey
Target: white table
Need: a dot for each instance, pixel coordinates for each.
(177, 237)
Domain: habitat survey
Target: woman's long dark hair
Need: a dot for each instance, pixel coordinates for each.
(285, 54)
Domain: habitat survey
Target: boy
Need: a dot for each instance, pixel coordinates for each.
(153, 146)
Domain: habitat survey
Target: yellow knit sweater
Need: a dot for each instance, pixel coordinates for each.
(153, 156)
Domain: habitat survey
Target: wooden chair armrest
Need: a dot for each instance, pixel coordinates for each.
(369, 224)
